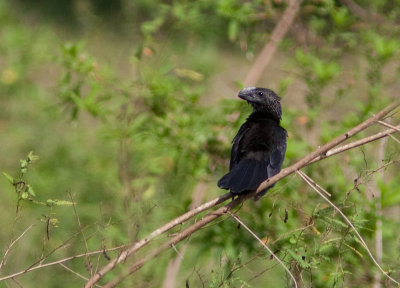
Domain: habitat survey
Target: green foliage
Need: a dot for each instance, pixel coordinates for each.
(317, 74)
(81, 86)
(23, 190)
(127, 120)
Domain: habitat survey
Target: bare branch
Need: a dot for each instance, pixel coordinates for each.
(74, 272)
(137, 245)
(394, 138)
(358, 143)
(389, 125)
(224, 209)
(321, 152)
(178, 237)
(379, 213)
(265, 246)
(4, 260)
(266, 54)
(175, 263)
(83, 234)
(43, 265)
(306, 179)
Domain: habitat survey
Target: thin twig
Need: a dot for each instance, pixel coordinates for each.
(4, 260)
(83, 235)
(358, 143)
(178, 237)
(316, 185)
(222, 210)
(266, 54)
(394, 138)
(305, 178)
(175, 263)
(137, 245)
(264, 245)
(378, 208)
(74, 272)
(43, 265)
(321, 152)
(389, 125)
(18, 284)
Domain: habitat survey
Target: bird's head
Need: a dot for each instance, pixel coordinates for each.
(263, 100)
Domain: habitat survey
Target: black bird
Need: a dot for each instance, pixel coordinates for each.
(259, 147)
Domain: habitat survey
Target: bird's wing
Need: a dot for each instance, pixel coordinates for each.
(278, 154)
(275, 159)
(245, 176)
(249, 169)
(235, 153)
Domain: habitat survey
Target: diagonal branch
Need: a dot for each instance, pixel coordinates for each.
(175, 263)
(184, 217)
(89, 262)
(358, 143)
(319, 153)
(264, 245)
(3, 262)
(389, 125)
(266, 54)
(40, 264)
(74, 272)
(311, 183)
(137, 245)
(180, 236)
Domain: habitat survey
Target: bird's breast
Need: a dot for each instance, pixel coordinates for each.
(260, 137)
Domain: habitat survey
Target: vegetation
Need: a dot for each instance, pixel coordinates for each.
(123, 113)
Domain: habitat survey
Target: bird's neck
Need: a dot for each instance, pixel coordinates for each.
(263, 116)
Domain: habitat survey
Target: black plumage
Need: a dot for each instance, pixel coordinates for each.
(259, 147)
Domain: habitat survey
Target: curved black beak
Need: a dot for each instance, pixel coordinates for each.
(247, 94)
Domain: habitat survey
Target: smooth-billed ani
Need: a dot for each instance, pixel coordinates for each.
(259, 147)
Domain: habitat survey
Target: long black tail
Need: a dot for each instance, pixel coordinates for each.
(245, 176)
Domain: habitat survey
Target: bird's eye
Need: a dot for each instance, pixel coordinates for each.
(260, 93)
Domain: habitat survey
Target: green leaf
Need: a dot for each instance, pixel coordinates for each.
(9, 178)
(56, 202)
(30, 190)
(31, 157)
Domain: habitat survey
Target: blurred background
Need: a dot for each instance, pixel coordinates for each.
(129, 109)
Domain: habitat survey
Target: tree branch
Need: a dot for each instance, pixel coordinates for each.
(312, 185)
(264, 245)
(180, 236)
(175, 263)
(43, 265)
(358, 143)
(3, 262)
(266, 54)
(319, 153)
(137, 245)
